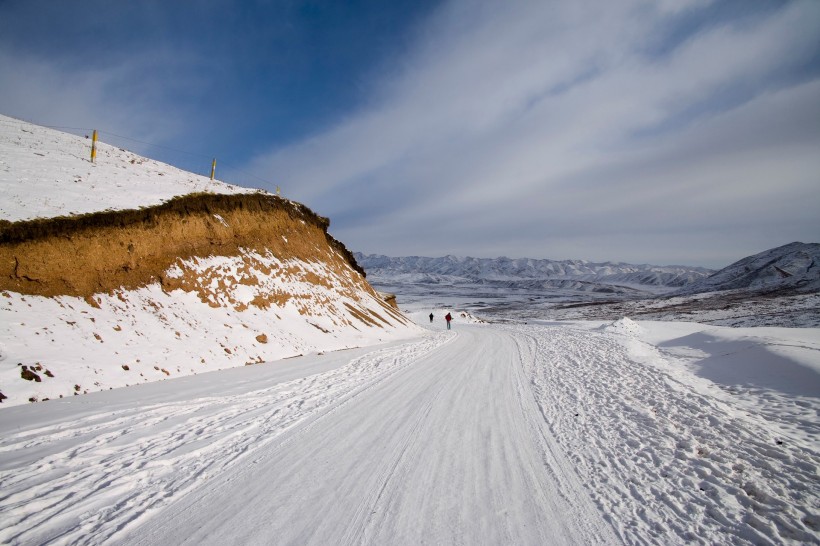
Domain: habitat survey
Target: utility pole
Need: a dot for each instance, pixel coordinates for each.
(213, 168)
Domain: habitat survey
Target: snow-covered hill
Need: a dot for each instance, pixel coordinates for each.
(46, 173)
(794, 267)
(127, 270)
(416, 269)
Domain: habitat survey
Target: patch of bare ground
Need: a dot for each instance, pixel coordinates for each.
(111, 251)
(105, 251)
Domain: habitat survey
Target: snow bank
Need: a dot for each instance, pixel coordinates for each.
(786, 360)
(686, 433)
(74, 346)
(624, 326)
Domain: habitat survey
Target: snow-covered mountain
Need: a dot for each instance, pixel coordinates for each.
(792, 268)
(778, 287)
(127, 270)
(422, 270)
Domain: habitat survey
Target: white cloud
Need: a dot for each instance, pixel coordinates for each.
(677, 6)
(521, 124)
(127, 98)
(543, 129)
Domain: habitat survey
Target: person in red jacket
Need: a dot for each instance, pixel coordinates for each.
(448, 318)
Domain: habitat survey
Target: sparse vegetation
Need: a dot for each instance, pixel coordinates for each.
(29, 374)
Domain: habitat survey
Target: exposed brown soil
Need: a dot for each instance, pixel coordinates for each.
(390, 299)
(107, 251)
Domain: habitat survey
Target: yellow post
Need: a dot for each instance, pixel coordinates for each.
(213, 169)
(94, 147)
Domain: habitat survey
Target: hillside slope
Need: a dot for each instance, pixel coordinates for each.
(181, 285)
(794, 267)
(46, 173)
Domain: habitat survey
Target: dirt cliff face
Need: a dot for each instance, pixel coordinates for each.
(124, 250)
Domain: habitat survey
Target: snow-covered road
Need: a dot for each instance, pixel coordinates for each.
(445, 450)
(550, 434)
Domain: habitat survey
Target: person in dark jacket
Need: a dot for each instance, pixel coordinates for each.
(448, 318)
(431, 318)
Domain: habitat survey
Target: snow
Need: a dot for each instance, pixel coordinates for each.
(67, 346)
(526, 272)
(46, 173)
(576, 432)
(560, 433)
(624, 326)
(673, 458)
(780, 359)
(144, 335)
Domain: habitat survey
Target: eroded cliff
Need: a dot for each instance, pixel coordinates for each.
(204, 281)
(104, 251)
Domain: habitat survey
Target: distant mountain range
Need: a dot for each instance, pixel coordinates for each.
(790, 268)
(526, 272)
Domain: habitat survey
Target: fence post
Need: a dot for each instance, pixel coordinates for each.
(94, 147)
(213, 168)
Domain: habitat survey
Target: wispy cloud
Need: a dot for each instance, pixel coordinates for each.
(638, 130)
(562, 129)
(137, 96)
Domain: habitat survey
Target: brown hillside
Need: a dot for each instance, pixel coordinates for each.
(107, 251)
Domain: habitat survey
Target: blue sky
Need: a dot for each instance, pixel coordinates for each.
(646, 131)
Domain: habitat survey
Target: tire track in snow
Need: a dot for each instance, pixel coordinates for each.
(560, 468)
(390, 472)
(441, 451)
(93, 479)
(483, 472)
(279, 459)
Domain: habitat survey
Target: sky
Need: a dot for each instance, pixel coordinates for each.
(642, 131)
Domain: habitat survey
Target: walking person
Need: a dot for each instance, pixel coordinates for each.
(431, 318)
(448, 318)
